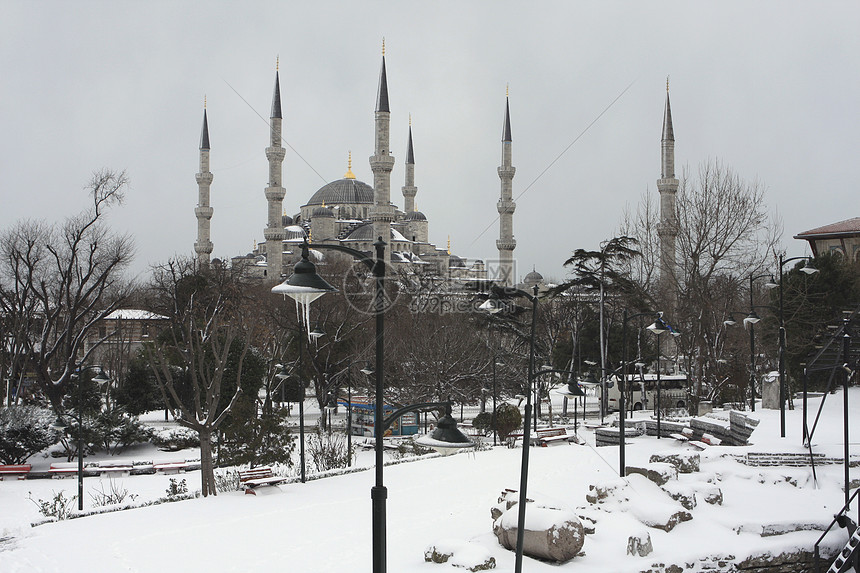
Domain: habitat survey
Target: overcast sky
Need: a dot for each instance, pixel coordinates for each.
(770, 88)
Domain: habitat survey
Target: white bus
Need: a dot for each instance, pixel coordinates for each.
(642, 392)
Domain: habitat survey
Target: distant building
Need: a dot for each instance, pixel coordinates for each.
(840, 239)
(352, 213)
(121, 334)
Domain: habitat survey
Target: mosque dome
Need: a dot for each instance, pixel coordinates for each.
(343, 191)
(286, 220)
(415, 216)
(533, 278)
(322, 212)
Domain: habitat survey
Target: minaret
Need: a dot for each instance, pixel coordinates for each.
(409, 189)
(274, 232)
(667, 230)
(203, 245)
(506, 206)
(381, 163)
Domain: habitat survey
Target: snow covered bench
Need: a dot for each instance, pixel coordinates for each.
(550, 436)
(110, 469)
(170, 468)
(255, 477)
(18, 471)
(63, 469)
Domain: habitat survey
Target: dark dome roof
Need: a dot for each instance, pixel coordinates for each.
(533, 278)
(323, 212)
(286, 220)
(343, 191)
(415, 216)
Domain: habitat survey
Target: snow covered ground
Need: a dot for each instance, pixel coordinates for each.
(325, 525)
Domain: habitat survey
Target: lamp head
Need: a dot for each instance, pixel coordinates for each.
(304, 285)
(445, 438)
(658, 327)
(367, 370)
(808, 268)
(751, 318)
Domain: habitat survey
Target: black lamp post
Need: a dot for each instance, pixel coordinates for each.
(494, 304)
(305, 286)
(623, 383)
(810, 270)
(658, 327)
(100, 379)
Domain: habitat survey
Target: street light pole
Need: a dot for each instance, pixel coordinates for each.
(782, 389)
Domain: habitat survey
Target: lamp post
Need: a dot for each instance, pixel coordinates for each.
(808, 269)
(493, 305)
(283, 376)
(100, 379)
(623, 384)
(658, 327)
(305, 286)
(750, 321)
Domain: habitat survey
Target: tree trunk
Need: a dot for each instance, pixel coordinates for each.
(207, 469)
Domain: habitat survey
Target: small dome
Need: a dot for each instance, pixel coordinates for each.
(533, 278)
(415, 216)
(286, 220)
(322, 212)
(455, 262)
(343, 191)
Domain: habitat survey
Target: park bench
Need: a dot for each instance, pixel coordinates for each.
(170, 468)
(63, 469)
(18, 471)
(255, 477)
(550, 436)
(110, 469)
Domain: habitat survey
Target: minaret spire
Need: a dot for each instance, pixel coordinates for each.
(667, 185)
(506, 206)
(381, 163)
(409, 189)
(203, 245)
(274, 231)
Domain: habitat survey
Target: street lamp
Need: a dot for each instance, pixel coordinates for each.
(495, 303)
(623, 384)
(305, 286)
(659, 327)
(809, 270)
(283, 376)
(100, 378)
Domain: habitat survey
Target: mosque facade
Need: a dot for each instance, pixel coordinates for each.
(353, 213)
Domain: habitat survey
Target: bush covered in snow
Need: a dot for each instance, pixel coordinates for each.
(174, 439)
(24, 431)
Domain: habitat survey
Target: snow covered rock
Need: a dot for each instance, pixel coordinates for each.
(682, 493)
(469, 556)
(658, 472)
(601, 492)
(686, 462)
(640, 544)
(663, 516)
(552, 534)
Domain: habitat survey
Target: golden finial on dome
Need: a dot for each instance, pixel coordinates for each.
(323, 205)
(349, 174)
(449, 244)
(310, 235)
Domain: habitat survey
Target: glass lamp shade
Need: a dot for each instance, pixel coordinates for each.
(446, 438)
(304, 285)
(808, 270)
(571, 389)
(751, 318)
(658, 327)
(491, 305)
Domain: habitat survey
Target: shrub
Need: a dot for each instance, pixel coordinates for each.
(175, 439)
(483, 422)
(508, 419)
(226, 480)
(116, 494)
(24, 431)
(262, 440)
(176, 488)
(59, 508)
(328, 451)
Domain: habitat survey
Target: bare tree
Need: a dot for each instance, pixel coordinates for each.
(56, 284)
(190, 358)
(725, 235)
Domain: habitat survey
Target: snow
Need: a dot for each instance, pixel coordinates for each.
(443, 501)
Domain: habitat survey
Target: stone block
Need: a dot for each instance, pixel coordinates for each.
(551, 534)
(657, 472)
(686, 462)
(640, 544)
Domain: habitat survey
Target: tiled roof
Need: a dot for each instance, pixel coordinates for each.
(846, 227)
